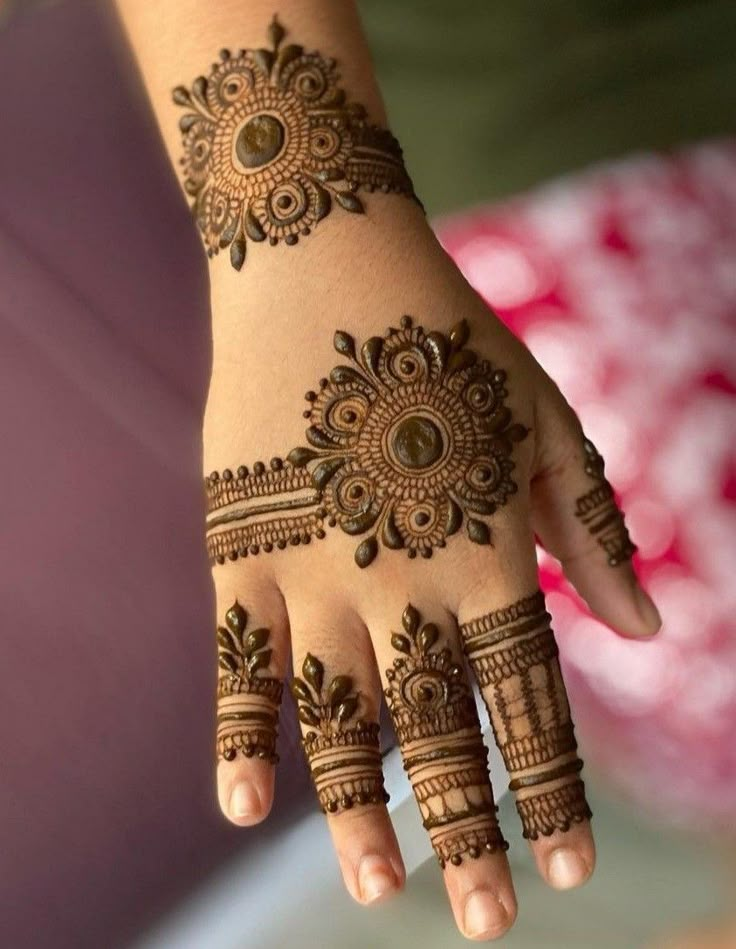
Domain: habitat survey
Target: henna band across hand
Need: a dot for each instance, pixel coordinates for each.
(437, 727)
(407, 442)
(270, 142)
(343, 752)
(513, 654)
(248, 699)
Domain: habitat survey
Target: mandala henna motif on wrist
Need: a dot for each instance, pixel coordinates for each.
(270, 142)
(409, 442)
(513, 654)
(437, 727)
(248, 699)
(343, 752)
(597, 509)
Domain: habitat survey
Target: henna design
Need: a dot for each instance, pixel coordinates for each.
(598, 511)
(343, 753)
(247, 699)
(270, 141)
(262, 509)
(437, 726)
(410, 440)
(513, 654)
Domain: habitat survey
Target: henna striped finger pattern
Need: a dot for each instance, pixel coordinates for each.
(342, 751)
(598, 511)
(248, 699)
(437, 726)
(513, 654)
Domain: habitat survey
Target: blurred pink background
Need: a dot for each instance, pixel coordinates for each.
(621, 281)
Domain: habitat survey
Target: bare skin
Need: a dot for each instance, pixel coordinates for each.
(273, 325)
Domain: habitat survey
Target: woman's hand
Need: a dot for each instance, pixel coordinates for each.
(384, 526)
(379, 454)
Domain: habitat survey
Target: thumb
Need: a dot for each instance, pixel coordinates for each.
(577, 519)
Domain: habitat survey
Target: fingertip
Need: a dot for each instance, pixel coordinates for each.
(648, 613)
(566, 859)
(567, 869)
(245, 800)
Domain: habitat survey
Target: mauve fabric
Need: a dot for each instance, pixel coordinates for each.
(107, 795)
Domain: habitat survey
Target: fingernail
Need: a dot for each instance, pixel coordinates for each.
(375, 878)
(484, 914)
(566, 869)
(244, 800)
(647, 610)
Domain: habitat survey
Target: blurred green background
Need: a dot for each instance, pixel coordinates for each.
(489, 97)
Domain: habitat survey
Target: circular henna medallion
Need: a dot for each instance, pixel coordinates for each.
(269, 142)
(410, 441)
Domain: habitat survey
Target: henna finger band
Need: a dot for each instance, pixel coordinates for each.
(342, 750)
(437, 726)
(598, 511)
(408, 441)
(271, 144)
(513, 654)
(248, 699)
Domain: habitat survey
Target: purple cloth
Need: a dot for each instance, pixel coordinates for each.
(108, 667)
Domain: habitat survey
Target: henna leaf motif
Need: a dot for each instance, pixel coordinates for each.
(339, 688)
(313, 671)
(410, 620)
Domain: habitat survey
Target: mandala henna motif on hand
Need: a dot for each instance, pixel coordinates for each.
(407, 443)
(270, 142)
(343, 752)
(513, 654)
(248, 699)
(598, 511)
(437, 726)
(410, 439)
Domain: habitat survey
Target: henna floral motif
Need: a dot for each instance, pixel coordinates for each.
(514, 657)
(436, 723)
(343, 753)
(247, 699)
(270, 142)
(410, 439)
(598, 511)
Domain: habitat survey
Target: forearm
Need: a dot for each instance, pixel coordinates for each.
(276, 140)
(176, 40)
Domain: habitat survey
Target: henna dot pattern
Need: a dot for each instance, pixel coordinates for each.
(513, 654)
(598, 511)
(342, 751)
(437, 726)
(410, 440)
(261, 508)
(271, 142)
(248, 699)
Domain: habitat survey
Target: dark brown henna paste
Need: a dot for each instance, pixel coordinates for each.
(598, 511)
(343, 752)
(248, 700)
(261, 509)
(270, 142)
(410, 439)
(514, 656)
(437, 726)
